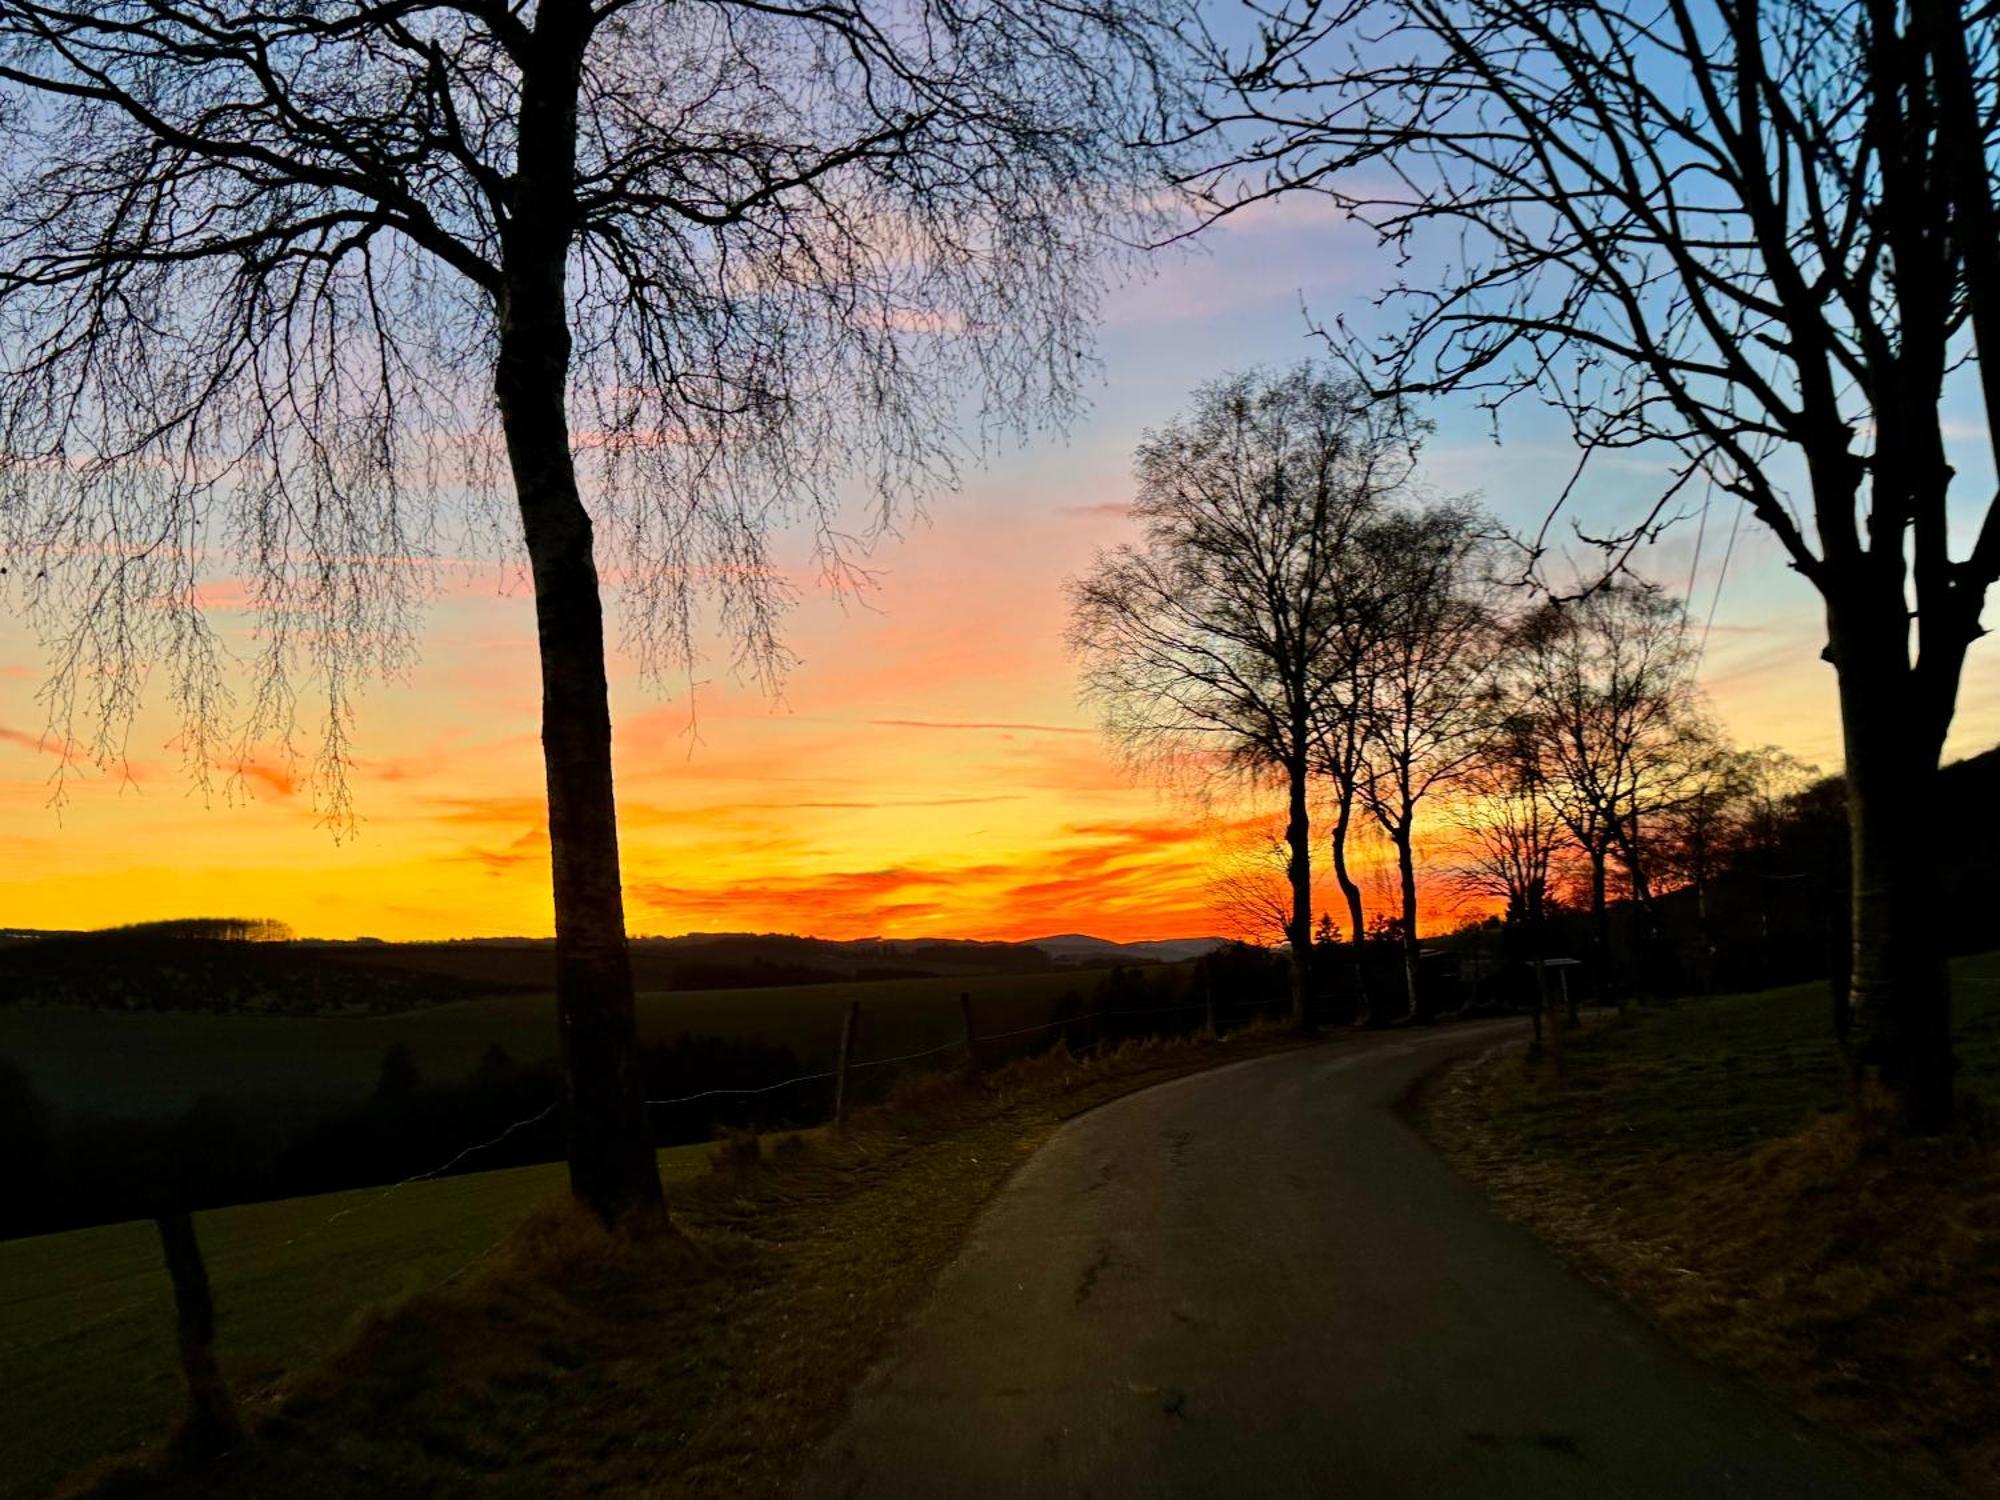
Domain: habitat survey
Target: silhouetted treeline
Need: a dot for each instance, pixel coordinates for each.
(1774, 910)
(58, 1175)
(227, 965)
(148, 970)
(100, 1169)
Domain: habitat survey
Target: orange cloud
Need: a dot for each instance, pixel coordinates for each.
(279, 780)
(35, 742)
(942, 724)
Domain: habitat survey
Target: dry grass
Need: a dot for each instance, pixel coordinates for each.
(1855, 1277)
(711, 1358)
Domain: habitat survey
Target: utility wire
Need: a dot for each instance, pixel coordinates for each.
(1721, 577)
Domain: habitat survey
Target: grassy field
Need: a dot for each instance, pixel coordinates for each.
(1700, 1158)
(557, 1359)
(141, 1064)
(1726, 1073)
(87, 1354)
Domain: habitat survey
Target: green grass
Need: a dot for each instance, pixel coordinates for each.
(1722, 1073)
(88, 1361)
(151, 1065)
(713, 1362)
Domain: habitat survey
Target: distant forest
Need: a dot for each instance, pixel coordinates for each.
(1774, 907)
(229, 966)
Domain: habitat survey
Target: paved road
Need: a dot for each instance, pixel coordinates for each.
(1259, 1282)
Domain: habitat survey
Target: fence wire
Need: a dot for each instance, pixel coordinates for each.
(1083, 1019)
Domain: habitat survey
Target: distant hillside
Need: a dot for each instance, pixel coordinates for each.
(1080, 948)
(186, 966)
(151, 971)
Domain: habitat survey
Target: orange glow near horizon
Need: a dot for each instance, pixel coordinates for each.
(928, 772)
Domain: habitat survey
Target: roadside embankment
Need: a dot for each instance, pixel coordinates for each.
(1699, 1159)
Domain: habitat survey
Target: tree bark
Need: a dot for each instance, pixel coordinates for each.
(1406, 869)
(1298, 838)
(611, 1162)
(1899, 993)
(1350, 890)
(211, 1425)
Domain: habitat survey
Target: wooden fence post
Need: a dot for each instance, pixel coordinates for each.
(971, 1039)
(212, 1424)
(840, 1074)
(1557, 1025)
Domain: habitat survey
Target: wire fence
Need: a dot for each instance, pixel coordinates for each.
(1099, 1022)
(957, 1044)
(1083, 1019)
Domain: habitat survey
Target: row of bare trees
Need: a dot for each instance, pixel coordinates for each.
(1299, 612)
(1755, 238)
(1601, 777)
(278, 285)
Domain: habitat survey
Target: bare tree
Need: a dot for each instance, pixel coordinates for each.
(1358, 608)
(1726, 811)
(1510, 842)
(1429, 677)
(1249, 886)
(1201, 642)
(1606, 684)
(1339, 737)
(1759, 235)
(1510, 838)
(272, 277)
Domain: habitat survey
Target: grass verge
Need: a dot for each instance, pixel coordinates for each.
(709, 1361)
(87, 1356)
(1700, 1161)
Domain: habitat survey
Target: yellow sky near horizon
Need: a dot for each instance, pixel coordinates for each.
(928, 771)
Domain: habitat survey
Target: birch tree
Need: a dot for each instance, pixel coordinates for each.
(1201, 642)
(285, 288)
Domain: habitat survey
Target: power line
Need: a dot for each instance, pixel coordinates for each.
(1722, 575)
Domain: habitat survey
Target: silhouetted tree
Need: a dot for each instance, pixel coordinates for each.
(1605, 686)
(1203, 642)
(1429, 674)
(1249, 888)
(299, 281)
(1726, 811)
(1759, 235)
(1358, 610)
(1510, 837)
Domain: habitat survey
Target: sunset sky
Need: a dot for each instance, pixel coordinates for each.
(928, 770)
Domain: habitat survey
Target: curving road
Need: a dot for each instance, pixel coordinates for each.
(1258, 1281)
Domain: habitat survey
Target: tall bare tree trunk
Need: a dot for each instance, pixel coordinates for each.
(1899, 991)
(611, 1163)
(1406, 868)
(1350, 890)
(1298, 837)
(211, 1425)
(1648, 943)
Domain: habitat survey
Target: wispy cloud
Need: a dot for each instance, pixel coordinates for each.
(978, 724)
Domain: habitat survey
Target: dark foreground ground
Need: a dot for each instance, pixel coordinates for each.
(1259, 1281)
(1701, 1159)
